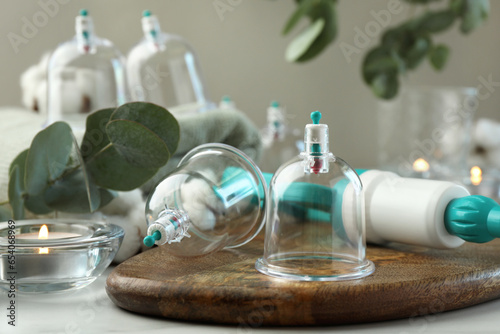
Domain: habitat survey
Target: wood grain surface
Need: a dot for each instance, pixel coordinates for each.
(224, 287)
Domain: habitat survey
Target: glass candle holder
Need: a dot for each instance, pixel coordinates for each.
(49, 255)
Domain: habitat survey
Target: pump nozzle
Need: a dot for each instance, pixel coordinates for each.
(473, 218)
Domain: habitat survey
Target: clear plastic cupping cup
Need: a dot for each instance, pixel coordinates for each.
(214, 199)
(164, 69)
(84, 74)
(315, 228)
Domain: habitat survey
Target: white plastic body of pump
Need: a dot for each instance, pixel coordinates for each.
(405, 210)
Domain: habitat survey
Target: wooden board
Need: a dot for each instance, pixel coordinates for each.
(225, 287)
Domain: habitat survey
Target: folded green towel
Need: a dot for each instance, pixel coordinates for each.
(231, 127)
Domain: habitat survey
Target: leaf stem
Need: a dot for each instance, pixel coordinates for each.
(100, 151)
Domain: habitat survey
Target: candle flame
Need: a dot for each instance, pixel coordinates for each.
(420, 165)
(43, 234)
(476, 175)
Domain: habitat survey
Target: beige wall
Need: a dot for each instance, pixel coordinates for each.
(242, 55)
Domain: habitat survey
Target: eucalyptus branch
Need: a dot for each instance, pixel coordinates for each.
(401, 49)
(138, 139)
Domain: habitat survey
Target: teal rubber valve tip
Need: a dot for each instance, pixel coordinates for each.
(473, 218)
(150, 240)
(84, 12)
(315, 116)
(146, 13)
(275, 104)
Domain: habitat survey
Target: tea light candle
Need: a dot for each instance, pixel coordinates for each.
(484, 185)
(47, 235)
(421, 169)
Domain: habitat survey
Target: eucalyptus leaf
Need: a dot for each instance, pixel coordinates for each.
(421, 2)
(36, 204)
(325, 10)
(95, 138)
(457, 6)
(302, 42)
(385, 85)
(369, 66)
(303, 8)
(153, 117)
(48, 156)
(474, 13)
(382, 64)
(140, 138)
(417, 53)
(106, 196)
(112, 171)
(435, 22)
(16, 193)
(393, 36)
(5, 213)
(70, 194)
(93, 196)
(19, 160)
(438, 56)
(139, 146)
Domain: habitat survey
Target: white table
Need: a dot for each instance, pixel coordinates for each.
(89, 310)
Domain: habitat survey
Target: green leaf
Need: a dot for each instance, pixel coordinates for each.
(16, 193)
(69, 194)
(123, 148)
(5, 213)
(421, 2)
(48, 156)
(153, 117)
(95, 138)
(457, 6)
(434, 22)
(302, 42)
(139, 146)
(324, 10)
(417, 53)
(382, 64)
(112, 171)
(304, 7)
(373, 57)
(438, 56)
(20, 161)
(385, 86)
(36, 204)
(474, 13)
(106, 196)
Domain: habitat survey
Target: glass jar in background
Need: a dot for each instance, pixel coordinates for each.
(164, 69)
(425, 132)
(84, 74)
